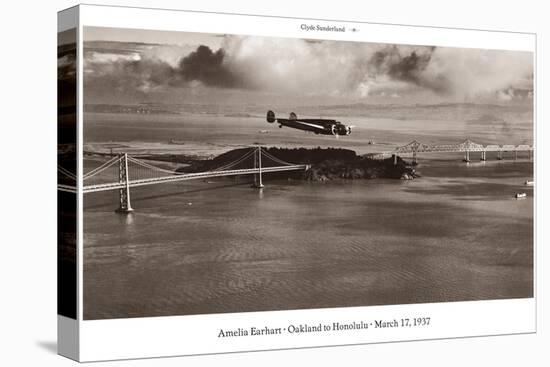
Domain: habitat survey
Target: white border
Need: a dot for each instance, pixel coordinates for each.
(197, 334)
(220, 23)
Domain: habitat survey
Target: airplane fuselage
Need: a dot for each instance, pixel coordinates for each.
(317, 126)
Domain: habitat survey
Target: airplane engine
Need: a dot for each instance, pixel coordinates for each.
(270, 116)
(333, 129)
(342, 129)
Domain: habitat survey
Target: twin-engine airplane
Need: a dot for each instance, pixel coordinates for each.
(317, 126)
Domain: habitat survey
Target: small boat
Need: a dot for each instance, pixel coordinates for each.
(521, 195)
(529, 183)
(178, 142)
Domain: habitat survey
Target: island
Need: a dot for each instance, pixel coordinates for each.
(326, 164)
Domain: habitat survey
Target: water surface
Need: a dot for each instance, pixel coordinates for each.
(194, 247)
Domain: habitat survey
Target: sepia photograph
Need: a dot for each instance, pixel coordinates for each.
(228, 173)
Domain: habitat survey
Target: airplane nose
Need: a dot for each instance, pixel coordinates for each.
(270, 116)
(341, 130)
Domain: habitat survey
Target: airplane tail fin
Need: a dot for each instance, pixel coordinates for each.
(270, 116)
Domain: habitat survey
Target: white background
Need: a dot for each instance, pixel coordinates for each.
(28, 64)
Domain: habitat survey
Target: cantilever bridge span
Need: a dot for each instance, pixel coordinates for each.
(123, 172)
(466, 147)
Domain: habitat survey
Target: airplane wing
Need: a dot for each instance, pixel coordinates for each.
(322, 122)
(309, 124)
(302, 125)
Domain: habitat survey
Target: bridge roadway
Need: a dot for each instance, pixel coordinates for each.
(189, 176)
(454, 149)
(466, 147)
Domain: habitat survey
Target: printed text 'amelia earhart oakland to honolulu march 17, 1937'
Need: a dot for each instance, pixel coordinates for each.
(325, 327)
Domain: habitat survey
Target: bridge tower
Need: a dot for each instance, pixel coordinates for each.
(124, 193)
(258, 164)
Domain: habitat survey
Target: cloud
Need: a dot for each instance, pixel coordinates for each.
(206, 66)
(472, 73)
(448, 72)
(66, 66)
(296, 67)
(407, 68)
(109, 57)
(505, 95)
(146, 71)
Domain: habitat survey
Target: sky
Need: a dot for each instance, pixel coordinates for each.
(133, 66)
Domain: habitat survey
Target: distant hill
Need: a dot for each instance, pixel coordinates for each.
(470, 112)
(443, 111)
(142, 108)
(487, 119)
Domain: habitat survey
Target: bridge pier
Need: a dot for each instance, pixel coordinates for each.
(515, 155)
(124, 193)
(483, 156)
(467, 157)
(394, 156)
(499, 155)
(415, 159)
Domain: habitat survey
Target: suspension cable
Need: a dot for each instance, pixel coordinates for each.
(150, 166)
(158, 169)
(234, 163)
(101, 168)
(277, 159)
(66, 172)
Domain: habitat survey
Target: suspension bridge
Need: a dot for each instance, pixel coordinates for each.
(123, 172)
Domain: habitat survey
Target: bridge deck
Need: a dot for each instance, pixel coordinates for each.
(189, 176)
(455, 150)
(413, 147)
